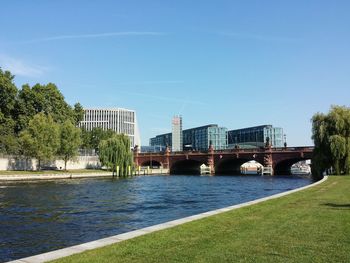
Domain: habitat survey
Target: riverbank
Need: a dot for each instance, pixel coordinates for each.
(51, 175)
(308, 226)
(73, 174)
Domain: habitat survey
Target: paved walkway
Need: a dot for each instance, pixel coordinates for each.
(32, 177)
(121, 237)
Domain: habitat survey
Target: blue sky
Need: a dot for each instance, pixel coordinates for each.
(234, 63)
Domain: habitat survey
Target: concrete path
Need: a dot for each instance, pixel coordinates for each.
(121, 237)
(33, 177)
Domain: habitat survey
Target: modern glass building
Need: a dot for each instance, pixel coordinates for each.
(176, 139)
(162, 140)
(152, 149)
(197, 139)
(117, 119)
(201, 137)
(253, 137)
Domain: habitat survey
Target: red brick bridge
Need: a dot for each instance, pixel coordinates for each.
(224, 161)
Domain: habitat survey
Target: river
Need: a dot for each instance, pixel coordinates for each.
(37, 217)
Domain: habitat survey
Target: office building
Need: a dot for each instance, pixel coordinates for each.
(122, 121)
(152, 149)
(254, 137)
(200, 138)
(196, 139)
(162, 140)
(176, 135)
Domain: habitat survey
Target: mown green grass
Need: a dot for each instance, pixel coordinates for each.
(79, 171)
(309, 226)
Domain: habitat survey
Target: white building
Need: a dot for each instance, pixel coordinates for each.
(177, 139)
(117, 119)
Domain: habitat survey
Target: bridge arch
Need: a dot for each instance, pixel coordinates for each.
(230, 166)
(251, 167)
(186, 167)
(284, 167)
(152, 163)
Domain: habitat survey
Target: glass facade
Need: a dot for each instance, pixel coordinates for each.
(161, 140)
(152, 149)
(253, 137)
(197, 139)
(275, 135)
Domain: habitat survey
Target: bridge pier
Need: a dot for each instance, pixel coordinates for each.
(166, 162)
(211, 161)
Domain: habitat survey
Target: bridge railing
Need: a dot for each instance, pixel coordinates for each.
(173, 153)
(240, 150)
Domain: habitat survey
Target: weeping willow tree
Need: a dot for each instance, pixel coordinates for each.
(331, 135)
(115, 153)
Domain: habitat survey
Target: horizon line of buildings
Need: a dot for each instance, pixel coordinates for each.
(200, 138)
(124, 121)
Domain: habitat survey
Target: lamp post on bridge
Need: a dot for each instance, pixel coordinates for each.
(285, 141)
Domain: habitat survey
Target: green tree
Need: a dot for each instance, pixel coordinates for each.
(8, 96)
(115, 152)
(92, 139)
(8, 93)
(78, 113)
(8, 139)
(41, 139)
(331, 135)
(70, 140)
(47, 99)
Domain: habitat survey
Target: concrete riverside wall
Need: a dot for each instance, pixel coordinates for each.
(14, 163)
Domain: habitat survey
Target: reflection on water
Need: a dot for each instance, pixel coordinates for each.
(37, 217)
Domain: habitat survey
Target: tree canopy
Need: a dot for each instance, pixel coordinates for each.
(331, 135)
(91, 139)
(115, 153)
(47, 99)
(41, 138)
(70, 140)
(18, 108)
(8, 94)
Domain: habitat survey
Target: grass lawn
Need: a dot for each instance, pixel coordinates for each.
(309, 226)
(80, 171)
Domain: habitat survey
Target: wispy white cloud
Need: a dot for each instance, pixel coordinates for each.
(97, 35)
(20, 67)
(258, 37)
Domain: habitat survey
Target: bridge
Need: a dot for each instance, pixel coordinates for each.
(225, 161)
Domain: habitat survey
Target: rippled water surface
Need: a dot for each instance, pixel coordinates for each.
(37, 217)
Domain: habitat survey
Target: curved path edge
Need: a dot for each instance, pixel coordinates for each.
(64, 252)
